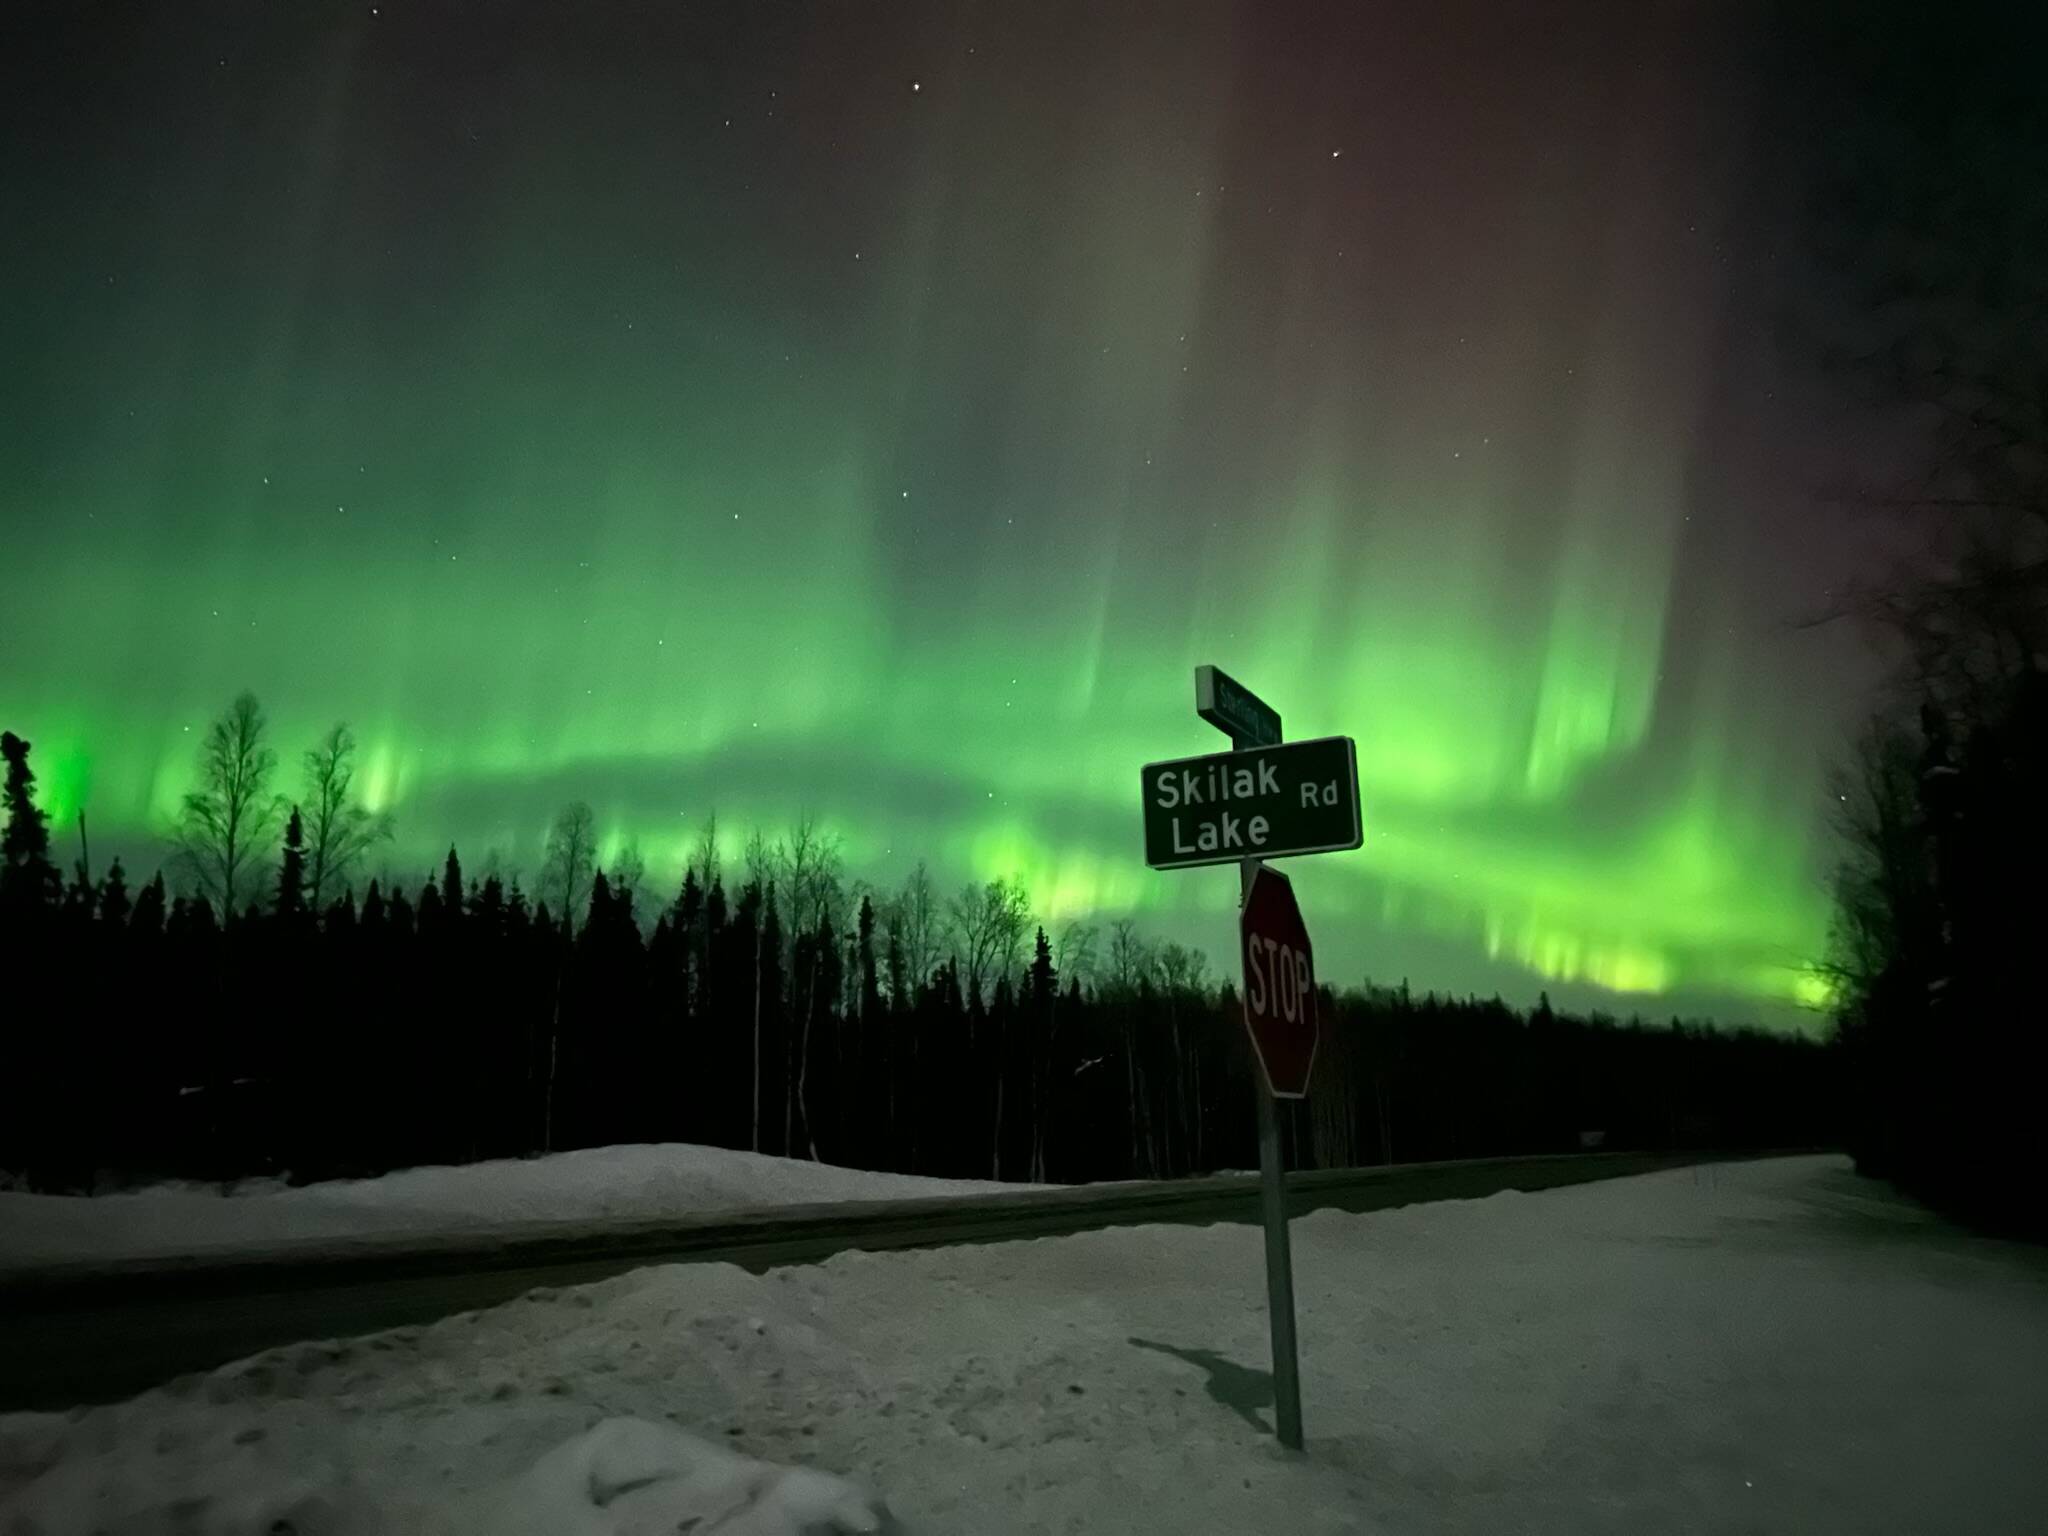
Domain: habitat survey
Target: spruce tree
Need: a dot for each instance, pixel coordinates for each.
(687, 923)
(113, 896)
(79, 897)
(870, 984)
(27, 877)
(689, 909)
(451, 886)
(899, 983)
(1034, 1059)
(148, 916)
(1042, 980)
(487, 907)
(716, 915)
(771, 1076)
(291, 872)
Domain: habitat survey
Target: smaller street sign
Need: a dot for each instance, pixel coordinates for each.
(1258, 803)
(1279, 983)
(1234, 709)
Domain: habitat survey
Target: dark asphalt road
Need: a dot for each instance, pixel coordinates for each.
(88, 1338)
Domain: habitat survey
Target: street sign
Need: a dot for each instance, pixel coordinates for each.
(1279, 983)
(1265, 800)
(1247, 719)
(1258, 803)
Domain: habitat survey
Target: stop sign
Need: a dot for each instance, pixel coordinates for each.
(1279, 983)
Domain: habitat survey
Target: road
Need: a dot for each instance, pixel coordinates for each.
(101, 1336)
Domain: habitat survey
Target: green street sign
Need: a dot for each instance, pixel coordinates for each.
(1257, 803)
(1234, 709)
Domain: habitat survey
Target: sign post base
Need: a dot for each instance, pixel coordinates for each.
(1279, 1274)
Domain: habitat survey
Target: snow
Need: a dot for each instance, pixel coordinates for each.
(603, 1184)
(1756, 1347)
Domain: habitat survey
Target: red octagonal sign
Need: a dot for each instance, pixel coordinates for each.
(1279, 983)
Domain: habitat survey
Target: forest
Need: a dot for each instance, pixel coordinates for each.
(261, 1013)
(1935, 315)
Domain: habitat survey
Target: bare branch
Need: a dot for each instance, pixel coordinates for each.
(225, 825)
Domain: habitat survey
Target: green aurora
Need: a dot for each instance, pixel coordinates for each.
(717, 443)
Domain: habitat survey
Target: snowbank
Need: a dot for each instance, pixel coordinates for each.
(622, 1475)
(1760, 1347)
(601, 1184)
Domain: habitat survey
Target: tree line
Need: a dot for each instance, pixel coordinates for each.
(263, 1013)
(1934, 241)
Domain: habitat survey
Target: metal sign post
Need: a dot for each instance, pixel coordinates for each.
(1252, 723)
(1266, 798)
(1279, 1251)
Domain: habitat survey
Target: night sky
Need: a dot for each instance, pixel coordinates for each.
(879, 410)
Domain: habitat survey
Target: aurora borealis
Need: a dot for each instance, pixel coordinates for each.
(880, 411)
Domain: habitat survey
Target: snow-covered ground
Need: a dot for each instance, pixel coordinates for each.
(1759, 1347)
(604, 1184)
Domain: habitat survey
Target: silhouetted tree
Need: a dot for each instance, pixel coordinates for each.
(571, 859)
(687, 920)
(1932, 233)
(225, 824)
(291, 871)
(1041, 1022)
(451, 885)
(987, 925)
(476, 1026)
(870, 985)
(921, 922)
(148, 916)
(897, 962)
(339, 830)
(771, 1061)
(27, 877)
(80, 896)
(113, 896)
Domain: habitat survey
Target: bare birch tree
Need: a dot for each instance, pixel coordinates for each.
(628, 873)
(922, 928)
(1130, 956)
(1179, 968)
(761, 857)
(570, 861)
(225, 825)
(339, 830)
(987, 922)
(809, 860)
(704, 858)
(1074, 953)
